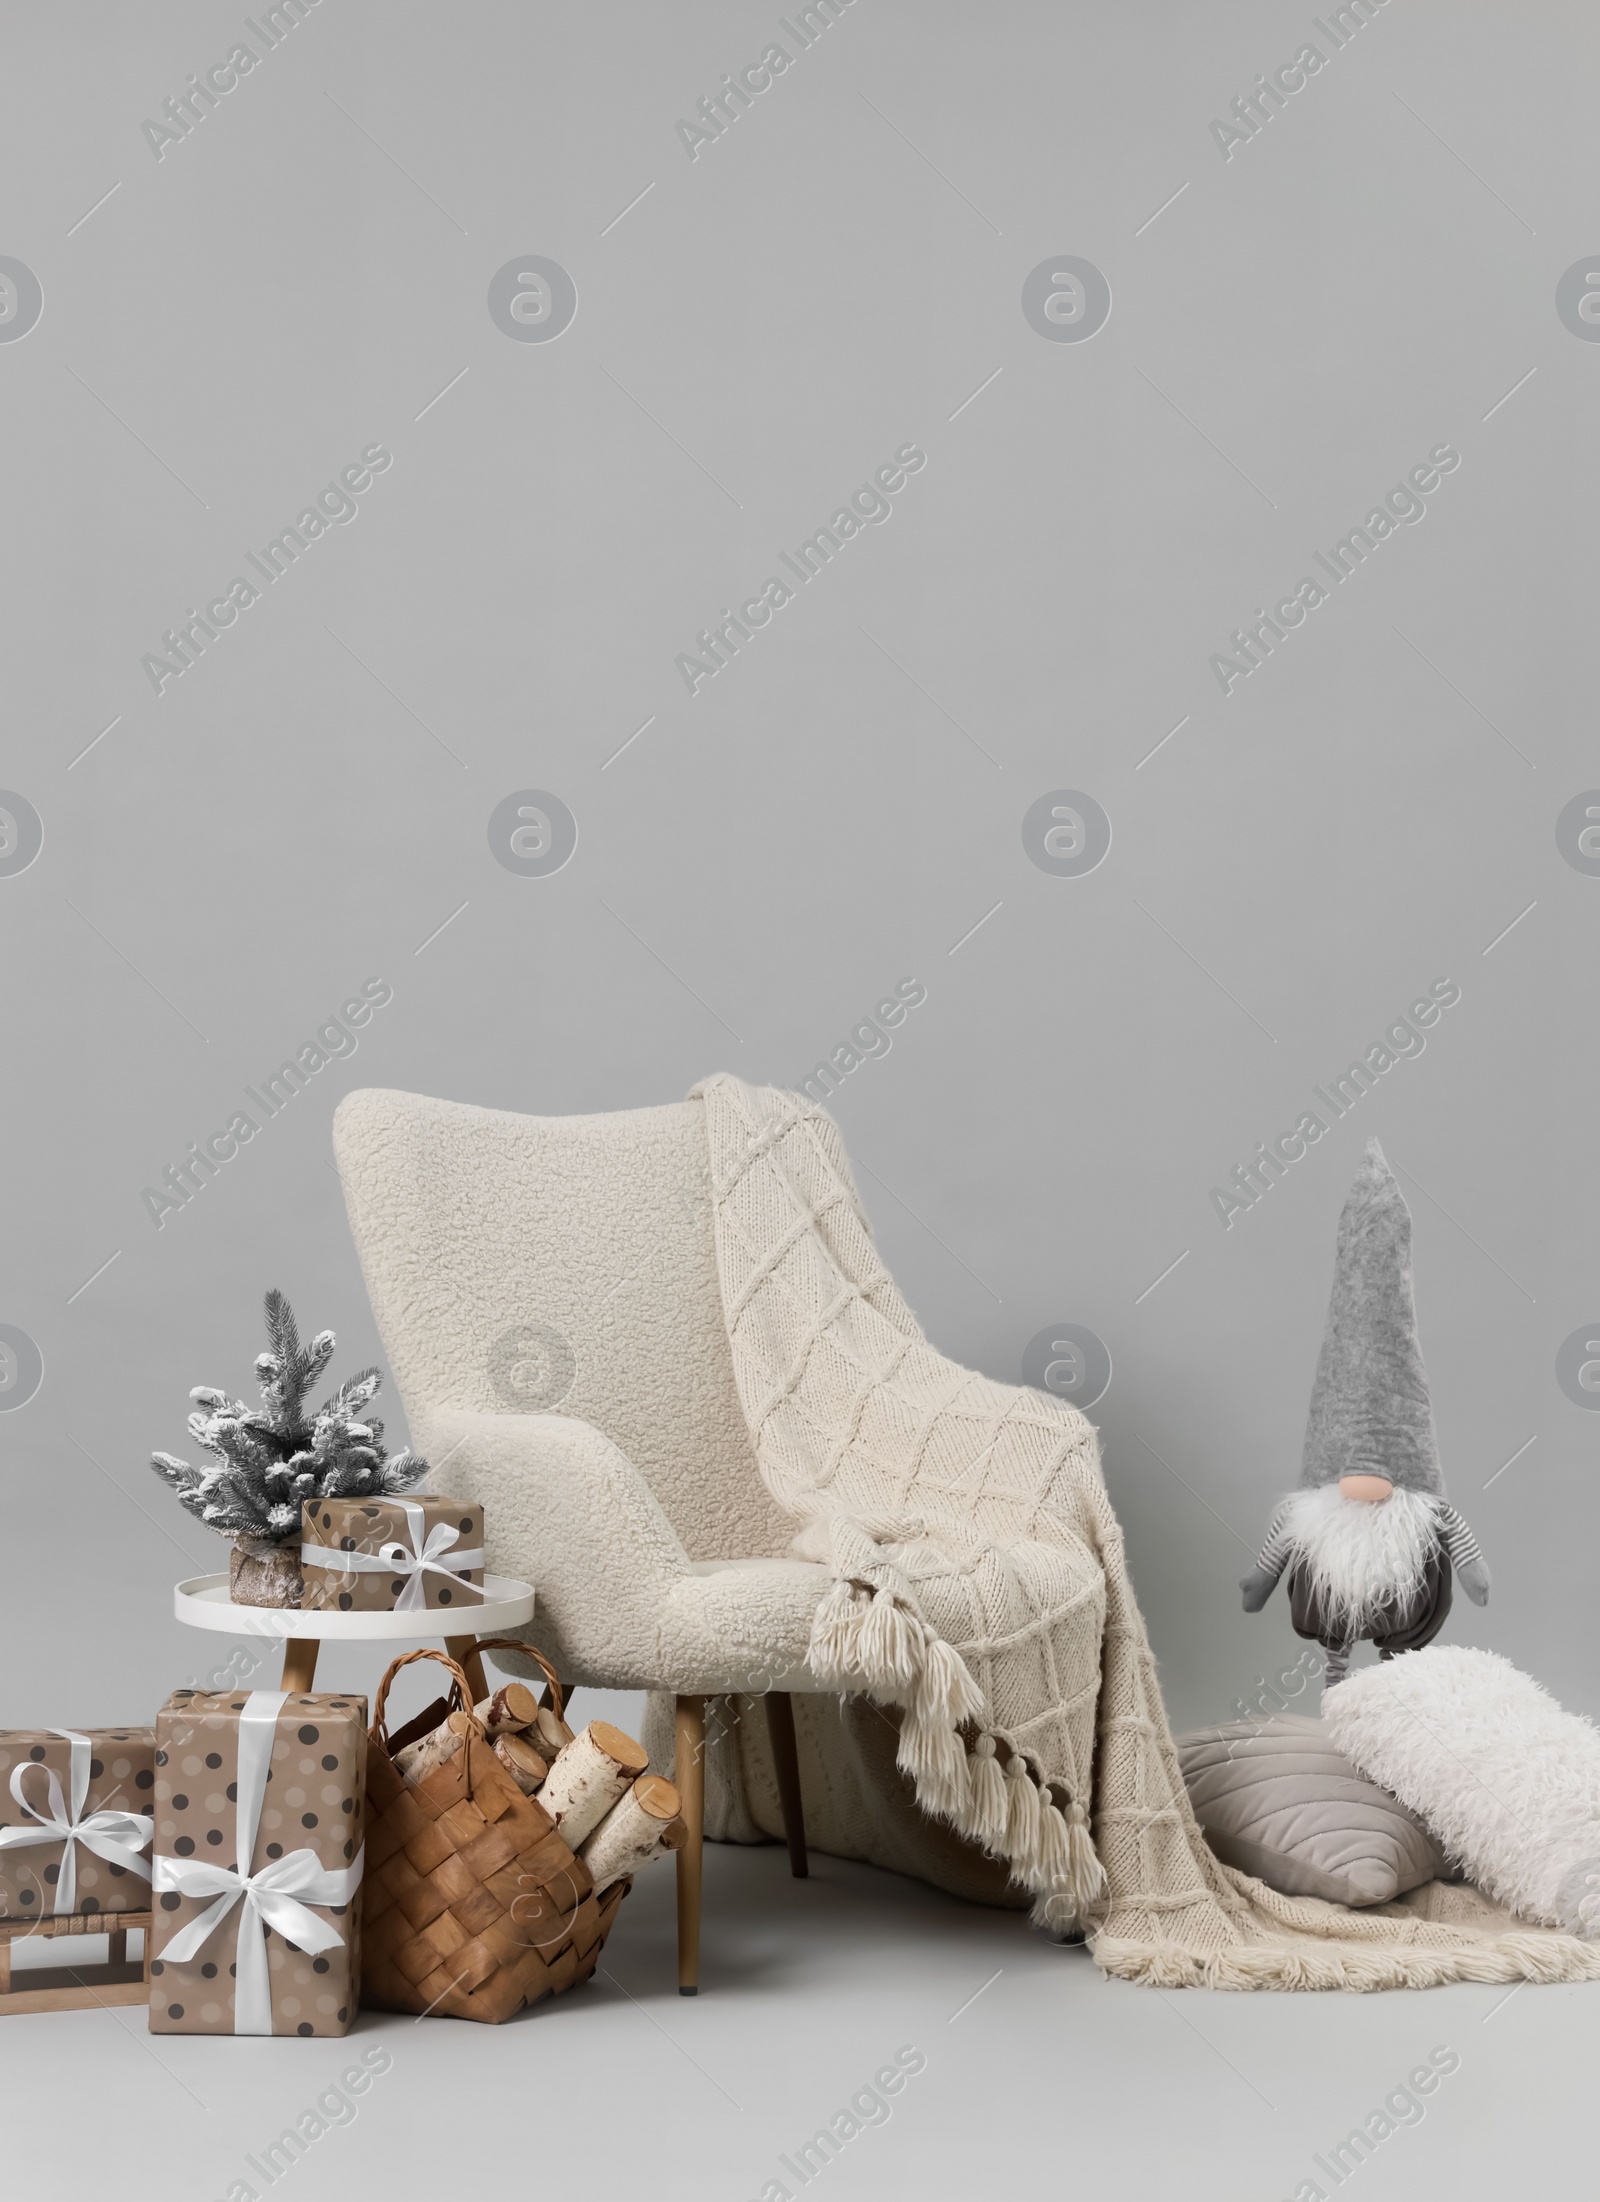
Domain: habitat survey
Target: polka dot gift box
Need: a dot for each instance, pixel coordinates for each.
(391, 1555)
(74, 1820)
(259, 1801)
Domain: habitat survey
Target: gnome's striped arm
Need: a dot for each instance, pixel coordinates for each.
(1465, 1557)
(1274, 1557)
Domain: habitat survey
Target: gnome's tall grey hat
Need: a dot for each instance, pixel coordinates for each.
(1370, 1410)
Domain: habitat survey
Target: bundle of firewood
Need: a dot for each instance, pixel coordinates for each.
(596, 1786)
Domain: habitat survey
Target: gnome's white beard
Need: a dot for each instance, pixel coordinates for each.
(1360, 1557)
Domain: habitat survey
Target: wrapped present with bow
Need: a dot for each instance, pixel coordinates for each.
(75, 1823)
(259, 1804)
(392, 1555)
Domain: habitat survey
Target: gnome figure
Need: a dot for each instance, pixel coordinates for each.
(1369, 1538)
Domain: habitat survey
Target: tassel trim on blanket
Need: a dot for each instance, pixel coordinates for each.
(866, 1635)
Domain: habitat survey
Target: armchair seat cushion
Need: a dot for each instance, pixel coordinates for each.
(718, 1628)
(744, 1625)
(815, 1574)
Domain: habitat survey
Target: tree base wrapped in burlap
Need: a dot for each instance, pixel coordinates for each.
(472, 1905)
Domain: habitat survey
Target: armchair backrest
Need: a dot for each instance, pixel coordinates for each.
(526, 1265)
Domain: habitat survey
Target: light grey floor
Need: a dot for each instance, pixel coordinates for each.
(1037, 2076)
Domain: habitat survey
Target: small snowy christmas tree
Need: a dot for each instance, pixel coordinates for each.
(265, 1463)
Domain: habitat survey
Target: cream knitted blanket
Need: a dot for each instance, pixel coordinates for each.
(980, 1585)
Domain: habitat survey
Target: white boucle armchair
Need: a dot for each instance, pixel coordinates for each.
(547, 1295)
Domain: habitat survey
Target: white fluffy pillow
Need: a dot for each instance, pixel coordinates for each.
(1506, 1780)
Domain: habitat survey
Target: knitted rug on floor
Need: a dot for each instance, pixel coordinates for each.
(980, 1589)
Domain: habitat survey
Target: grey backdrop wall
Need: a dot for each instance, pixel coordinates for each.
(1346, 260)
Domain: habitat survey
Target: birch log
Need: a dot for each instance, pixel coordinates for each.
(634, 1831)
(418, 1760)
(511, 1709)
(522, 1762)
(588, 1778)
(549, 1733)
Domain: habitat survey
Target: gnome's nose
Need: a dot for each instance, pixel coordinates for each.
(1373, 1489)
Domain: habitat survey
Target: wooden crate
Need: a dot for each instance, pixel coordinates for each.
(68, 1987)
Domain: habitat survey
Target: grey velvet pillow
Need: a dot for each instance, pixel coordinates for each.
(1276, 1800)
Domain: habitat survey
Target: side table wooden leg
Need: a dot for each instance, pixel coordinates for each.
(299, 1664)
(464, 1651)
(689, 1772)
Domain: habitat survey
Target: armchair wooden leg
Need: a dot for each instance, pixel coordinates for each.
(786, 1760)
(690, 1775)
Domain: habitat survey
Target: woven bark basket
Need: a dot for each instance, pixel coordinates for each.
(472, 1905)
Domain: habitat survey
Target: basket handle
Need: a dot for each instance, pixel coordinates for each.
(460, 1689)
(526, 1651)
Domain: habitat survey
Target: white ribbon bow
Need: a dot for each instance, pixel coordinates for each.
(422, 1558)
(114, 1835)
(274, 1897)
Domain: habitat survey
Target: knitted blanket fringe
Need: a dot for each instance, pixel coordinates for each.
(1546, 1958)
(874, 1636)
(980, 1584)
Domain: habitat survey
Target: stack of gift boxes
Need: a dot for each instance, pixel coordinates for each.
(236, 1822)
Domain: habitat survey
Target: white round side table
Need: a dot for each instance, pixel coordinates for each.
(203, 1603)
